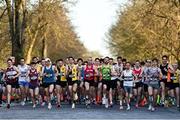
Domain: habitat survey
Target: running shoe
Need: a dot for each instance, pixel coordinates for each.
(49, 106)
(128, 107)
(73, 106)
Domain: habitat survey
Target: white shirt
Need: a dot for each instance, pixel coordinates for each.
(23, 72)
(128, 76)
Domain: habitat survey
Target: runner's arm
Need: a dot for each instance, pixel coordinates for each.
(18, 72)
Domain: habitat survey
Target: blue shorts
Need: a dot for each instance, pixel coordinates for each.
(23, 83)
(128, 89)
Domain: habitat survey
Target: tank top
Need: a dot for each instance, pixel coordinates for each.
(10, 72)
(73, 74)
(106, 72)
(61, 71)
(128, 78)
(33, 76)
(50, 77)
(23, 72)
(89, 73)
(166, 73)
(176, 76)
(137, 73)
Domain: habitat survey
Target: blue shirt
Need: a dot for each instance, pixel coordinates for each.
(50, 77)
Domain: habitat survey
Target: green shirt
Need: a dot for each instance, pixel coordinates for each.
(106, 72)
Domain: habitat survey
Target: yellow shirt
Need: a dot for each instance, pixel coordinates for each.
(74, 73)
(177, 75)
(63, 73)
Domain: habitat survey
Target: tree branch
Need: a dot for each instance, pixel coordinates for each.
(3, 13)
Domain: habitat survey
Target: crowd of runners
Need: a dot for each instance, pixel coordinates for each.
(99, 81)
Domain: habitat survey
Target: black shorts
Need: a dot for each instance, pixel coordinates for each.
(33, 86)
(63, 84)
(169, 85)
(70, 82)
(46, 85)
(91, 82)
(145, 87)
(138, 84)
(176, 85)
(13, 84)
(110, 84)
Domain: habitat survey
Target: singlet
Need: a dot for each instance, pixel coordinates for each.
(166, 74)
(128, 77)
(50, 77)
(106, 72)
(10, 72)
(164, 69)
(119, 68)
(89, 73)
(114, 70)
(23, 73)
(176, 76)
(81, 70)
(33, 77)
(137, 72)
(73, 74)
(62, 73)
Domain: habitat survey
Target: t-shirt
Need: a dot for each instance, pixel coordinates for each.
(153, 73)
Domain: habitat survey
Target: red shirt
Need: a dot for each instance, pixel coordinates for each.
(10, 72)
(89, 73)
(33, 76)
(137, 72)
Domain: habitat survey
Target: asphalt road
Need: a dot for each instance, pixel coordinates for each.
(95, 112)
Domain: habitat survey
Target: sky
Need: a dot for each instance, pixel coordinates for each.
(92, 19)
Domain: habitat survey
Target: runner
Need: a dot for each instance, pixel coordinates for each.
(61, 82)
(89, 73)
(39, 68)
(119, 69)
(128, 77)
(23, 80)
(137, 71)
(166, 69)
(10, 76)
(33, 83)
(145, 86)
(97, 80)
(49, 78)
(81, 89)
(114, 77)
(176, 83)
(153, 75)
(106, 79)
(73, 76)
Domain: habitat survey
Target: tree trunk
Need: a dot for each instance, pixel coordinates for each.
(16, 16)
(44, 48)
(30, 50)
